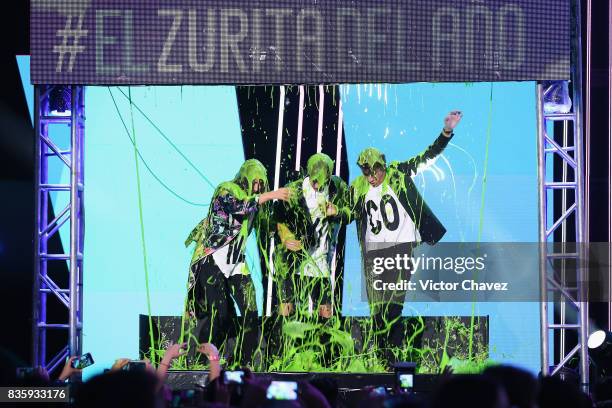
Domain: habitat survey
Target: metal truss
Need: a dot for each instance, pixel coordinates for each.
(47, 284)
(567, 254)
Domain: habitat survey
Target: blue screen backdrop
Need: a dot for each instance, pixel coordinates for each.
(189, 140)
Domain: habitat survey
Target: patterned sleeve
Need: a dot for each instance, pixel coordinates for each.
(231, 205)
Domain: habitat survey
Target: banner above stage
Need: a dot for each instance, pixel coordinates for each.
(297, 41)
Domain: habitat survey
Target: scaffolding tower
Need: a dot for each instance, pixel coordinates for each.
(49, 150)
(567, 280)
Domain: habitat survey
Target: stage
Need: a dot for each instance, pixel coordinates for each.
(426, 340)
(483, 187)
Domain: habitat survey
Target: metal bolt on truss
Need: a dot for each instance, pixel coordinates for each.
(47, 152)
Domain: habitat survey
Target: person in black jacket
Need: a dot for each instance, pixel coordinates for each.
(308, 225)
(392, 218)
(307, 231)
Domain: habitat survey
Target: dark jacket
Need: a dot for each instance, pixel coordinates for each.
(295, 216)
(399, 178)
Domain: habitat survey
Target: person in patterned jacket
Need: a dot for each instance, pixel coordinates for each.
(218, 273)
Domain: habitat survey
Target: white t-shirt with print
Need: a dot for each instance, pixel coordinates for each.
(229, 258)
(387, 220)
(316, 201)
(226, 259)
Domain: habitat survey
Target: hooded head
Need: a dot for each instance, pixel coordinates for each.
(320, 168)
(370, 157)
(373, 165)
(250, 171)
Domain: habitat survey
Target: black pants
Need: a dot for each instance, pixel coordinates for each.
(290, 287)
(214, 296)
(297, 290)
(386, 305)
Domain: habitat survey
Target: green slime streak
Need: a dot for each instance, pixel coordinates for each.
(482, 204)
(164, 185)
(142, 229)
(167, 139)
(301, 340)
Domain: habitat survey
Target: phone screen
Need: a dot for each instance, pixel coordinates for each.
(84, 361)
(234, 376)
(405, 381)
(136, 366)
(282, 390)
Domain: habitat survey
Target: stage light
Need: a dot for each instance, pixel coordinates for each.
(600, 341)
(600, 353)
(59, 101)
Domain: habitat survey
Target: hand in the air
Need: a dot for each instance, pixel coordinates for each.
(175, 350)
(451, 120)
(208, 349)
(119, 364)
(68, 370)
(293, 245)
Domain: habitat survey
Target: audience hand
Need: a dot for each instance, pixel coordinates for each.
(208, 349)
(119, 364)
(175, 350)
(68, 371)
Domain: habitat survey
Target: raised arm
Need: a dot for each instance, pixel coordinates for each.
(211, 352)
(241, 206)
(230, 204)
(450, 121)
(172, 352)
